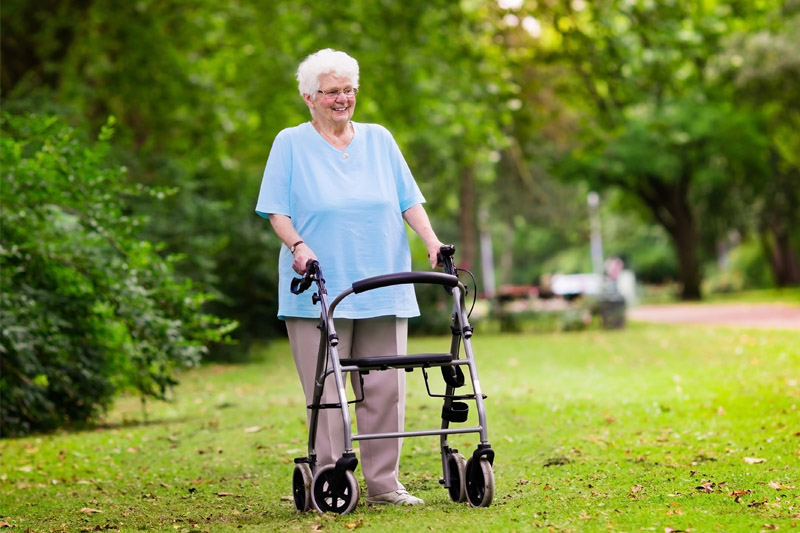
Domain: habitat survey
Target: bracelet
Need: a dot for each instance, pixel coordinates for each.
(293, 247)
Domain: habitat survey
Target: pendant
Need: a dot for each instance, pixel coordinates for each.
(345, 155)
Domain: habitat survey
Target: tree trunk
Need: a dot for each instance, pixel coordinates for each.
(782, 255)
(32, 43)
(467, 226)
(669, 204)
(684, 237)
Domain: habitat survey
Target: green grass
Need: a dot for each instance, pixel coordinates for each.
(652, 294)
(630, 422)
(788, 295)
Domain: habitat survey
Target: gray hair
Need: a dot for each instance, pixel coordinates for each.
(326, 61)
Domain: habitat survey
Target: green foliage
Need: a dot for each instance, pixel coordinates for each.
(745, 268)
(642, 109)
(482, 107)
(87, 307)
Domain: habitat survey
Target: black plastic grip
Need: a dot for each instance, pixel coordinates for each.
(401, 278)
(299, 285)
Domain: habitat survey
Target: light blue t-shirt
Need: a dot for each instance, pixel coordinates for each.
(347, 206)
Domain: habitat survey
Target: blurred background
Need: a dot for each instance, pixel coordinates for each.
(564, 147)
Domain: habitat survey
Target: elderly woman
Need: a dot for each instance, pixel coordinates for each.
(338, 191)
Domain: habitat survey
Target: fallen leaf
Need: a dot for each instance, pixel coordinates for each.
(223, 494)
(89, 510)
(352, 525)
(670, 530)
(754, 460)
(5, 524)
(674, 512)
(737, 494)
(635, 490)
(770, 526)
(252, 429)
(706, 487)
(778, 486)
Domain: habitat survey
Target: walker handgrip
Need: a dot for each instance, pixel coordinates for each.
(299, 285)
(401, 278)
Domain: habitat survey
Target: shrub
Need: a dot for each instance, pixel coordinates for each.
(87, 307)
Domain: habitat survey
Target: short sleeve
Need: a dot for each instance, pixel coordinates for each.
(408, 192)
(274, 196)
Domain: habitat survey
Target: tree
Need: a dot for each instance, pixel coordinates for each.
(87, 307)
(762, 67)
(200, 89)
(647, 117)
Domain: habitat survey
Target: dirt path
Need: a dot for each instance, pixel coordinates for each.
(768, 316)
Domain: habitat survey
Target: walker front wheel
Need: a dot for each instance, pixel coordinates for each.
(480, 482)
(328, 496)
(301, 487)
(457, 478)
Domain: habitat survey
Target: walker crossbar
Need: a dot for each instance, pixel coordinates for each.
(401, 278)
(423, 433)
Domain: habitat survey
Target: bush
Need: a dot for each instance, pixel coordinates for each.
(87, 308)
(747, 268)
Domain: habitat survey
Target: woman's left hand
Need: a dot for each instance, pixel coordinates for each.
(302, 255)
(433, 253)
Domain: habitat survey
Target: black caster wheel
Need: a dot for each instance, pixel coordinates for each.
(330, 499)
(480, 482)
(458, 477)
(301, 487)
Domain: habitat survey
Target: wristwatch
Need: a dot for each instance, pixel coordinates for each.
(293, 247)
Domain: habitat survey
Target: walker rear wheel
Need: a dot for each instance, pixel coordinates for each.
(301, 487)
(458, 477)
(327, 497)
(480, 482)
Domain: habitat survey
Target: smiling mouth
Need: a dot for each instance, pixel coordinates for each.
(339, 109)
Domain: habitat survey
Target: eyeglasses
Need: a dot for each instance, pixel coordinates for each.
(350, 92)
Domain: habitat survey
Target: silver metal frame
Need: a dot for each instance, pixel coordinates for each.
(328, 362)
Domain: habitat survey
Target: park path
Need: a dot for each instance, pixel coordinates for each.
(766, 316)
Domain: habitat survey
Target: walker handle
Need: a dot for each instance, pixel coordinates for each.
(401, 278)
(299, 285)
(445, 258)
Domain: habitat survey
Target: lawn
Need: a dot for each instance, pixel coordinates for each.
(651, 428)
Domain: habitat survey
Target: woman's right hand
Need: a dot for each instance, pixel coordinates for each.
(302, 255)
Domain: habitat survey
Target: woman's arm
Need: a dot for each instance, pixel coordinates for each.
(284, 229)
(417, 218)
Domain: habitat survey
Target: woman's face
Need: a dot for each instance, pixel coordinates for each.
(335, 111)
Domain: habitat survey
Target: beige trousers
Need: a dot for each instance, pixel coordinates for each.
(383, 408)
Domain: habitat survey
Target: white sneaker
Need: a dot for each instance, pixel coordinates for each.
(394, 497)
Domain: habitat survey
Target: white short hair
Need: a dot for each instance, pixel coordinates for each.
(326, 61)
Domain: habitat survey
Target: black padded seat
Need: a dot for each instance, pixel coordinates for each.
(422, 360)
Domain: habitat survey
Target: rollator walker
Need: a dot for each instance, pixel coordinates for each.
(334, 488)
